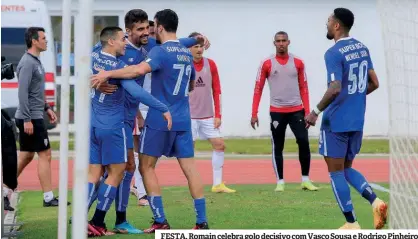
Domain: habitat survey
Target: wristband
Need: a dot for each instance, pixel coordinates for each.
(317, 111)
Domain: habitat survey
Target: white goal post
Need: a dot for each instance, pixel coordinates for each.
(83, 45)
(399, 23)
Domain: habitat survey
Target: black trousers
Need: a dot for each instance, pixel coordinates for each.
(278, 125)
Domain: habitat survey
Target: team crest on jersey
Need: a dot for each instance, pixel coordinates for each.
(131, 59)
(199, 82)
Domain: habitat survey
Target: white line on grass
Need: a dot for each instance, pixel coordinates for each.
(379, 187)
(383, 189)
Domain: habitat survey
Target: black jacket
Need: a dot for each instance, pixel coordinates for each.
(8, 152)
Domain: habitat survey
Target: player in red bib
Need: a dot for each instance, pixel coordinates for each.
(289, 103)
(205, 110)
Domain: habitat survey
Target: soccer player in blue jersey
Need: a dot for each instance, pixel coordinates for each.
(137, 48)
(351, 77)
(108, 149)
(137, 26)
(173, 74)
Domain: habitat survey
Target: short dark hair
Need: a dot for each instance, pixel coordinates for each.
(32, 33)
(151, 23)
(108, 33)
(281, 33)
(345, 17)
(135, 16)
(194, 34)
(168, 19)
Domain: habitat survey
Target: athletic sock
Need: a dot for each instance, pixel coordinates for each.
(342, 195)
(120, 217)
(200, 208)
(156, 205)
(5, 191)
(48, 196)
(122, 196)
(358, 181)
(106, 195)
(217, 165)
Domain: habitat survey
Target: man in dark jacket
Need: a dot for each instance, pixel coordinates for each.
(9, 158)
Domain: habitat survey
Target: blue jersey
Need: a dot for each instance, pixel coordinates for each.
(107, 111)
(133, 56)
(347, 61)
(172, 69)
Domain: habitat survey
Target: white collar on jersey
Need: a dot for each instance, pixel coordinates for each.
(343, 39)
(107, 54)
(133, 45)
(170, 41)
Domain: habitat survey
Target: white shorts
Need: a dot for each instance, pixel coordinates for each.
(136, 130)
(204, 129)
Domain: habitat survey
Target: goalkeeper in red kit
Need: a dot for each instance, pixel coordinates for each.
(289, 103)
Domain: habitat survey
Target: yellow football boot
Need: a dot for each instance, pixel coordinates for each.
(308, 185)
(221, 188)
(279, 187)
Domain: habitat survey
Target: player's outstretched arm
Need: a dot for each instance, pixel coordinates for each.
(188, 41)
(373, 81)
(191, 41)
(142, 95)
(128, 73)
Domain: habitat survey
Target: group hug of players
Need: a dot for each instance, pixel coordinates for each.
(184, 104)
(127, 121)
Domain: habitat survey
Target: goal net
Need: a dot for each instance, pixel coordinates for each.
(399, 21)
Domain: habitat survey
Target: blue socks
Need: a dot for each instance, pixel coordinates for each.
(156, 205)
(157, 208)
(122, 194)
(342, 195)
(200, 208)
(105, 197)
(122, 198)
(357, 180)
(92, 195)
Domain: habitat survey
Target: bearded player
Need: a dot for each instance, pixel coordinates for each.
(137, 48)
(172, 70)
(351, 77)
